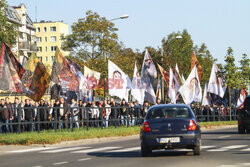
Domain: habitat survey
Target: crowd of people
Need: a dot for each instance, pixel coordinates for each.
(33, 116)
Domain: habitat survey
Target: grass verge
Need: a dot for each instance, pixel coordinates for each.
(52, 137)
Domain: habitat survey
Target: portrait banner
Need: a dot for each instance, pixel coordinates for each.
(191, 89)
(117, 81)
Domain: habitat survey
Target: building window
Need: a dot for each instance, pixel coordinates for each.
(52, 58)
(45, 39)
(53, 48)
(39, 39)
(53, 39)
(38, 29)
(53, 29)
(45, 29)
(46, 58)
(46, 49)
(39, 49)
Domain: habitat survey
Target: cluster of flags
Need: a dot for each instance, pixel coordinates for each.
(33, 79)
(142, 87)
(67, 80)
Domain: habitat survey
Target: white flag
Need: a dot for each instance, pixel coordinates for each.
(128, 87)
(241, 98)
(174, 85)
(148, 75)
(205, 100)
(182, 78)
(137, 91)
(176, 68)
(191, 89)
(215, 83)
(117, 81)
(92, 76)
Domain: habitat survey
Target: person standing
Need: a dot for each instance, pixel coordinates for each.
(29, 115)
(124, 112)
(18, 113)
(74, 112)
(63, 113)
(10, 119)
(1, 117)
(43, 114)
(56, 113)
(107, 112)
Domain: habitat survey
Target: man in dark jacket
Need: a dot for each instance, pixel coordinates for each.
(8, 120)
(29, 114)
(124, 112)
(44, 114)
(1, 111)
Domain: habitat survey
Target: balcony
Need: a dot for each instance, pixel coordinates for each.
(27, 46)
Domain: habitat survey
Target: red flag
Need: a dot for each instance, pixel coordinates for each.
(195, 62)
(164, 74)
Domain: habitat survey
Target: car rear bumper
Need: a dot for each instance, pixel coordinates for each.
(189, 140)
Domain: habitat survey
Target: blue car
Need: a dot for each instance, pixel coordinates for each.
(170, 126)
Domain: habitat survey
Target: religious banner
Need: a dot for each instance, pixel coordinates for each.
(40, 82)
(11, 71)
(62, 76)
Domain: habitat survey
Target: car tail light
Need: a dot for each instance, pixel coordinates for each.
(146, 127)
(192, 125)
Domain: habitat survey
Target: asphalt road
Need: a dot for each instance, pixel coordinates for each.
(221, 147)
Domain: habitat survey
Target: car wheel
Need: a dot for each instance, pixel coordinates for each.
(145, 152)
(197, 149)
(241, 130)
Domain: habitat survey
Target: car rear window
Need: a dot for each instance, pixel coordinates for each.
(168, 113)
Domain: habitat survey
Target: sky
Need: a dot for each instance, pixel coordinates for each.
(217, 23)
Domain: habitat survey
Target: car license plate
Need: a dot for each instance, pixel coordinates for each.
(169, 140)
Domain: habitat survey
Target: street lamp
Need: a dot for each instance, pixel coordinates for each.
(162, 54)
(125, 16)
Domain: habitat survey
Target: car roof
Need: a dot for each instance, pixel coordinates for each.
(169, 105)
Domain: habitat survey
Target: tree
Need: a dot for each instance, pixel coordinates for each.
(180, 50)
(245, 71)
(231, 72)
(92, 37)
(232, 79)
(8, 31)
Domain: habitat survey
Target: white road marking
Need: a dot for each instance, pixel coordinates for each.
(244, 164)
(248, 149)
(206, 147)
(95, 150)
(60, 163)
(235, 165)
(125, 150)
(222, 137)
(32, 149)
(227, 148)
(64, 150)
(85, 159)
(228, 166)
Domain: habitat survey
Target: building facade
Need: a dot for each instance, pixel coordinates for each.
(48, 38)
(26, 39)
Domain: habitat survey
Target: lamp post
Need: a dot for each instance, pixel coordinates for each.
(125, 16)
(162, 54)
